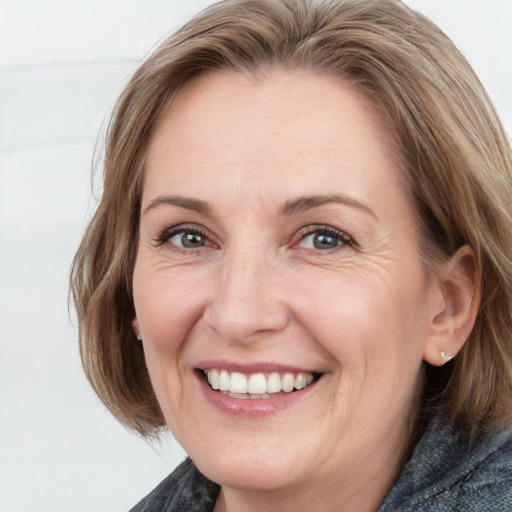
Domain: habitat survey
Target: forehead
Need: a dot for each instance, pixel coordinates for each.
(281, 132)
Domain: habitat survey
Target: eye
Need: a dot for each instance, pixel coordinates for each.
(183, 237)
(188, 240)
(325, 238)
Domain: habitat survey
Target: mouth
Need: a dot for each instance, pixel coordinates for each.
(257, 385)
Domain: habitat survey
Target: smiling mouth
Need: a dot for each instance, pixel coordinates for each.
(257, 385)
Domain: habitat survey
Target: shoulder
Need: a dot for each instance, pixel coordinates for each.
(185, 489)
(444, 474)
(490, 481)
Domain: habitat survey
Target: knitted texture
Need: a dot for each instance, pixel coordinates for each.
(184, 490)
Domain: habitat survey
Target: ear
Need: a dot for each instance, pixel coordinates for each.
(136, 328)
(457, 293)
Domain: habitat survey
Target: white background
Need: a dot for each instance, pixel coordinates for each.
(62, 63)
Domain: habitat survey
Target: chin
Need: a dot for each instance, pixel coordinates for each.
(252, 469)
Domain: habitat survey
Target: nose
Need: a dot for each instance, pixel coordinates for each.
(249, 301)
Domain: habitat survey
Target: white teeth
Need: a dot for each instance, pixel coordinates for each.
(274, 383)
(224, 381)
(238, 383)
(300, 381)
(288, 382)
(213, 379)
(256, 385)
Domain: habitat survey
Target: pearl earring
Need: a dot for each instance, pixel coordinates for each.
(139, 336)
(446, 357)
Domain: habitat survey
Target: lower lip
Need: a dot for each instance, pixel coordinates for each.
(255, 408)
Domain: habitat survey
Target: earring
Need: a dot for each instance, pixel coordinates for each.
(446, 357)
(139, 336)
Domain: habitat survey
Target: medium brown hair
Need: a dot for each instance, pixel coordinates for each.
(454, 152)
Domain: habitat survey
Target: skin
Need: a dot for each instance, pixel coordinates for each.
(255, 289)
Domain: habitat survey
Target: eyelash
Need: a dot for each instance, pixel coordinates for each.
(344, 240)
(167, 234)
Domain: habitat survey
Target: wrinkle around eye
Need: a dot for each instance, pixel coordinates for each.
(163, 255)
(360, 268)
(362, 261)
(162, 259)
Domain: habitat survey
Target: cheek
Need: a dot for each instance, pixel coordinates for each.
(363, 322)
(167, 307)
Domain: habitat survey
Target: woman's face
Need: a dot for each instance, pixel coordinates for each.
(278, 249)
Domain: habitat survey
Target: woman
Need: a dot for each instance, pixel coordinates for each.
(301, 264)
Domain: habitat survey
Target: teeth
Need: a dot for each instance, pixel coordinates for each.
(224, 380)
(300, 381)
(213, 379)
(256, 385)
(243, 396)
(288, 382)
(274, 383)
(238, 383)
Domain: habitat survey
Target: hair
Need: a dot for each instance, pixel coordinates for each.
(453, 149)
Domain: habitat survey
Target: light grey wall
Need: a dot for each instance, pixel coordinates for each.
(62, 63)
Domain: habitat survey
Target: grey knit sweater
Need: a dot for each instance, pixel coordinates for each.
(441, 476)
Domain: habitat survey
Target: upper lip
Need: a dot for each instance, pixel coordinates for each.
(254, 367)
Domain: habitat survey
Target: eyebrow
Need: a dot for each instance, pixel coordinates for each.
(291, 207)
(183, 202)
(304, 203)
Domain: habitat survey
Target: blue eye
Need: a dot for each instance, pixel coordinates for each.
(325, 239)
(187, 239)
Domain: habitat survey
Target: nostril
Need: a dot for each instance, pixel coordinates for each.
(245, 321)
